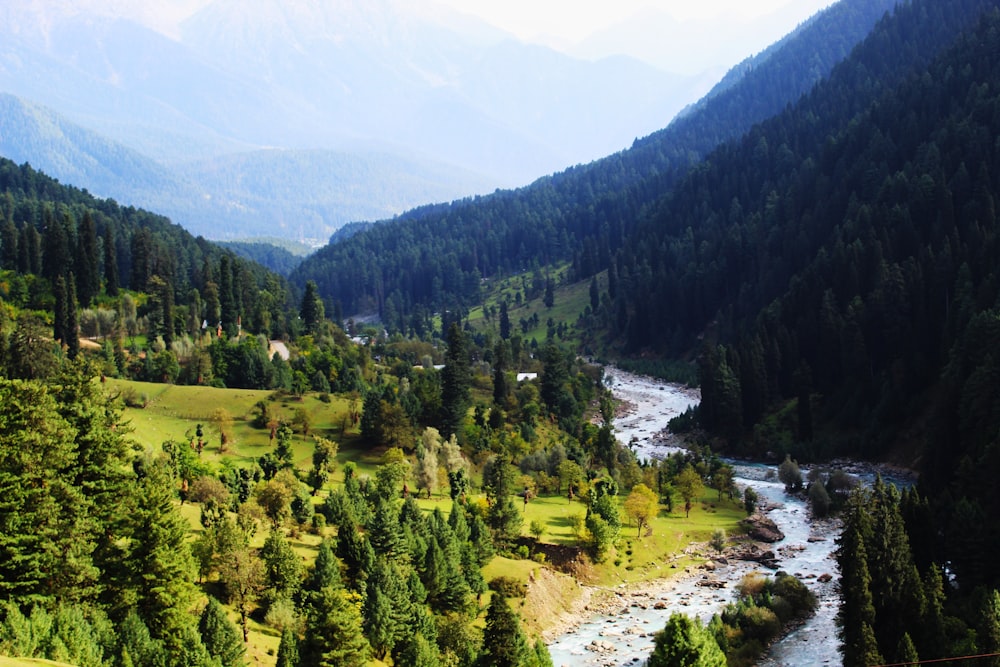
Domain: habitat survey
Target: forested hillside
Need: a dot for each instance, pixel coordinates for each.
(834, 249)
(840, 266)
(435, 257)
(75, 267)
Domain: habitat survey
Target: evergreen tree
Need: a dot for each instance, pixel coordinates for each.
(447, 588)
(158, 563)
(8, 244)
(60, 315)
(326, 569)
(906, 652)
(501, 361)
(282, 568)
(456, 382)
(503, 516)
(87, 266)
(111, 279)
(44, 546)
(58, 257)
(72, 331)
(504, 643)
(333, 636)
(220, 636)
(504, 321)
(683, 642)
(138, 647)
(857, 611)
(988, 627)
(228, 309)
(311, 310)
(288, 649)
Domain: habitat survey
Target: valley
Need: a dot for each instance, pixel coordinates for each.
(482, 432)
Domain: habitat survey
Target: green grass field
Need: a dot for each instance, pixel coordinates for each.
(173, 412)
(569, 303)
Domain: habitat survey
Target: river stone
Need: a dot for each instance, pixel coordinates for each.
(763, 529)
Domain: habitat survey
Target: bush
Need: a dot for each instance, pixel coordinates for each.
(752, 586)
(790, 474)
(759, 623)
(508, 587)
(790, 588)
(819, 499)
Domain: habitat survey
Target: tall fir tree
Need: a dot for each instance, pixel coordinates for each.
(456, 382)
(72, 332)
(220, 636)
(333, 636)
(87, 265)
(504, 643)
(288, 649)
(110, 245)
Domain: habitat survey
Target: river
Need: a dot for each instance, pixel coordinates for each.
(623, 635)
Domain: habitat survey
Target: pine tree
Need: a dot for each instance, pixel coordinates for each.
(906, 652)
(229, 311)
(311, 310)
(414, 650)
(220, 636)
(683, 642)
(288, 649)
(8, 244)
(504, 321)
(387, 606)
(72, 332)
(58, 259)
(988, 629)
(60, 313)
(333, 636)
(45, 548)
(282, 568)
(88, 279)
(504, 644)
(857, 612)
(111, 279)
(456, 382)
(159, 567)
(326, 569)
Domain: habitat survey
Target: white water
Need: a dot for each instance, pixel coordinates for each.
(625, 636)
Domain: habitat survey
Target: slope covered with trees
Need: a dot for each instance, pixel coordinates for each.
(434, 257)
(839, 249)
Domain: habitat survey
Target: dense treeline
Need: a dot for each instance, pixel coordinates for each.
(271, 256)
(900, 602)
(162, 305)
(435, 258)
(50, 230)
(838, 251)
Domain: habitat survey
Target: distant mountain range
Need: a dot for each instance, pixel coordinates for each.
(290, 118)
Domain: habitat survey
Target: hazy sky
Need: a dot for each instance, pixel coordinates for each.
(574, 20)
(563, 24)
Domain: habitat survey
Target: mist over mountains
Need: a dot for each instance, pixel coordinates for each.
(292, 118)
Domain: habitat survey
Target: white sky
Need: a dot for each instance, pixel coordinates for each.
(573, 20)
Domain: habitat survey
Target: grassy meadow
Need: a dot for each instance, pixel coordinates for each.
(171, 412)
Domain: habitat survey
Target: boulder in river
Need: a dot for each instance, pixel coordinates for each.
(762, 529)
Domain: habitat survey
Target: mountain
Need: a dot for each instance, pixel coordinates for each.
(297, 194)
(432, 107)
(435, 257)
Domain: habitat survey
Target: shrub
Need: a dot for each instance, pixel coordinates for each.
(509, 587)
(759, 623)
